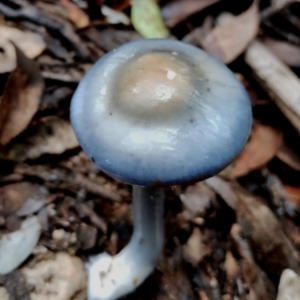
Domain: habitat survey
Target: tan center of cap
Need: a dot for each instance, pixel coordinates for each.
(154, 82)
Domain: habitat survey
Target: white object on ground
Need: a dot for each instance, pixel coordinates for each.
(15, 247)
(289, 286)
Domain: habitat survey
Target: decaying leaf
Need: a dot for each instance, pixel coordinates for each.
(76, 14)
(262, 147)
(288, 53)
(21, 98)
(146, 19)
(14, 196)
(53, 136)
(177, 11)
(31, 44)
(289, 286)
(15, 247)
(261, 228)
(230, 39)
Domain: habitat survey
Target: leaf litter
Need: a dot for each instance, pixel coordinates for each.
(233, 236)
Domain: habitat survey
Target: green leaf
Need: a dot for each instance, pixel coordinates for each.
(146, 19)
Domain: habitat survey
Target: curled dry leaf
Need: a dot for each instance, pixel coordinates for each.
(262, 147)
(68, 278)
(31, 44)
(271, 248)
(20, 99)
(230, 39)
(288, 53)
(289, 286)
(76, 14)
(8, 56)
(177, 11)
(53, 136)
(15, 247)
(282, 84)
(14, 197)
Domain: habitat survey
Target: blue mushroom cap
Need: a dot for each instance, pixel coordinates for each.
(160, 112)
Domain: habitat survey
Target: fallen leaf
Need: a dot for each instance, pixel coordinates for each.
(15, 247)
(31, 44)
(288, 53)
(60, 278)
(230, 39)
(293, 194)
(262, 147)
(224, 189)
(289, 286)
(146, 19)
(271, 248)
(114, 17)
(289, 156)
(53, 136)
(195, 250)
(8, 56)
(14, 197)
(177, 11)
(76, 14)
(21, 98)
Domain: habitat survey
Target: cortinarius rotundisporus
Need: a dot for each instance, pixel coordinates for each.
(155, 113)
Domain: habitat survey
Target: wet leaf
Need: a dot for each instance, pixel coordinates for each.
(21, 98)
(53, 136)
(230, 39)
(262, 147)
(146, 19)
(177, 11)
(76, 14)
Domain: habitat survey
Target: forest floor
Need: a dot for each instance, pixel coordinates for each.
(228, 237)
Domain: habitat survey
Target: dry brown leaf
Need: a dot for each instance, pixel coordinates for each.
(289, 156)
(288, 53)
(76, 14)
(262, 147)
(293, 194)
(21, 98)
(31, 44)
(8, 57)
(14, 196)
(53, 136)
(228, 40)
(269, 245)
(177, 11)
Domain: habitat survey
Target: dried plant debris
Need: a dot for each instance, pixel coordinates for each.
(21, 98)
(49, 136)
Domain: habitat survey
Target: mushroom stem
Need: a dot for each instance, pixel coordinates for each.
(113, 277)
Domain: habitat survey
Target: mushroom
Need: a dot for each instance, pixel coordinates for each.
(155, 113)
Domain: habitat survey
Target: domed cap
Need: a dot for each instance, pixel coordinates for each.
(160, 112)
